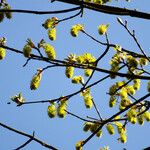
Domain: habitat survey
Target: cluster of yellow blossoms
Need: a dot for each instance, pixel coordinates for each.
(8, 15)
(50, 24)
(52, 110)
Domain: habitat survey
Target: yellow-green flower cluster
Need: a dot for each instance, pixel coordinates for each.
(62, 107)
(112, 101)
(147, 116)
(87, 72)
(2, 53)
(78, 80)
(50, 23)
(8, 15)
(115, 62)
(2, 50)
(132, 115)
(69, 71)
(51, 110)
(36, 80)
(148, 86)
(132, 62)
(52, 34)
(89, 126)
(27, 50)
(50, 51)
(86, 58)
(102, 29)
(19, 99)
(136, 84)
(79, 145)
(100, 2)
(143, 61)
(75, 29)
(88, 100)
(110, 129)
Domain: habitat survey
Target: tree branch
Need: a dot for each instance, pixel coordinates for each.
(40, 12)
(29, 136)
(109, 9)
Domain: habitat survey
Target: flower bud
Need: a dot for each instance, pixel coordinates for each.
(79, 145)
(87, 72)
(52, 34)
(147, 116)
(77, 80)
(27, 50)
(88, 101)
(51, 110)
(110, 129)
(36, 80)
(1, 16)
(8, 14)
(123, 137)
(87, 126)
(102, 29)
(75, 29)
(2, 53)
(50, 51)
(69, 71)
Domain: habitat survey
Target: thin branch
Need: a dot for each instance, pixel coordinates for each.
(78, 117)
(40, 12)
(132, 34)
(24, 144)
(109, 9)
(29, 136)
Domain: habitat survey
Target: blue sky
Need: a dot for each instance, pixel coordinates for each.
(63, 133)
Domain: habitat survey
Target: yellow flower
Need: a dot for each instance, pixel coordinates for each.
(36, 80)
(110, 129)
(52, 34)
(27, 50)
(50, 51)
(75, 29)
(102, 29)
(51, 110)
(69, 71)
(2, 53)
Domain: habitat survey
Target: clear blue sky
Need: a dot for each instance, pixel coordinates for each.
(63, 133)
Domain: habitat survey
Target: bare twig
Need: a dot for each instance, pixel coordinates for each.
(29, 136)
(40, 12)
